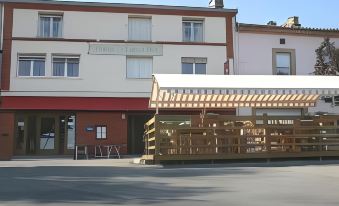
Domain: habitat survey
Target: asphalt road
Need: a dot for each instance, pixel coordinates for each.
(117, 182)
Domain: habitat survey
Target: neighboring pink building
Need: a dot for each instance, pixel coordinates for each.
(287, 50)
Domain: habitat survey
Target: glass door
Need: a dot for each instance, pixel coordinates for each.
(66, 134)
(20, 136)
(48, 136)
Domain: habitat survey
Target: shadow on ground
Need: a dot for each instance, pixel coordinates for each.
(253, 163)
(103, 185)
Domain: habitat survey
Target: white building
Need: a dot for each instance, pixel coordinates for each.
(88, 66)
(286, 50)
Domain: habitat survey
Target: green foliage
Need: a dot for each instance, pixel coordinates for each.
(327, 59)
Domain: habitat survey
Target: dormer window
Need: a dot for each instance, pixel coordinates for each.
(50, 26)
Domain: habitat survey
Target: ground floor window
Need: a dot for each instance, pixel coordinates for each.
(336, 101)
(101, 132)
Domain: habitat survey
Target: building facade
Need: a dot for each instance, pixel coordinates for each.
(282, 50)
(80, 73)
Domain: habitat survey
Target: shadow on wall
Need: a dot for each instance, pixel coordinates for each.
(104, 185)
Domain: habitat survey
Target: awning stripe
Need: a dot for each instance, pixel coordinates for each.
(198, 93)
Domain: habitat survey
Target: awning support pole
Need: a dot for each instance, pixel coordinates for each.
(157, 107)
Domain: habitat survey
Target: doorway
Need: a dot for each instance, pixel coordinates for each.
(44, 134)
(136, 145)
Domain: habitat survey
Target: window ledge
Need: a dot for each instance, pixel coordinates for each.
(139, 41)
(43, 37)
(138, 78)
(68, 78)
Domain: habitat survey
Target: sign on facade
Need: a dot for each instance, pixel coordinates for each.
(126, 49)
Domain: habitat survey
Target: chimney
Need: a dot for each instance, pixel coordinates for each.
(272, 23)
(217, 4)
(292, 22)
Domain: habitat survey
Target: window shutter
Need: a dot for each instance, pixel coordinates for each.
(139, 29)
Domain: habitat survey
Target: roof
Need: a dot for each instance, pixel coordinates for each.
(102, 4)
(225, 91)
(271, 29)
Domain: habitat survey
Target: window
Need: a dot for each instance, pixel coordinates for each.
(282, 41)
(139, 29)
(31, 66)
(50, 26)
(101, 132)
(193, 65)
(193, 31)
(284, 62)
(336, 100)
(66, 66)
(139, 68)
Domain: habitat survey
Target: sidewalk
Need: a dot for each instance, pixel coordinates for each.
(45, 161)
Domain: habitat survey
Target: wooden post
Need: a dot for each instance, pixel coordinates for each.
(268, 135)
(76, 152)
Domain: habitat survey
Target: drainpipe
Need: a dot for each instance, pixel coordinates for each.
(1, 37)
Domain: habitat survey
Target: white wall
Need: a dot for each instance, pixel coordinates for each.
(255, 52)
(102, 75)
(105, 75)
(255, 57)
(114, 26)
(95, 25)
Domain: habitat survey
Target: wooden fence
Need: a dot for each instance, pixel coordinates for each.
(215, 137)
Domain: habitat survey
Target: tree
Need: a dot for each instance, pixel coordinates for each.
(327, 63)
(337, 56)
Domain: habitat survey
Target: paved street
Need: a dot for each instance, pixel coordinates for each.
(118, 182)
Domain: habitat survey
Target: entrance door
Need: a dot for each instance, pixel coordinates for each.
(44, 134)
(136, 130)
(20, 136)
(66, 134)
(48, 135)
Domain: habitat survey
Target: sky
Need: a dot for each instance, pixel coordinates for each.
(312, 13)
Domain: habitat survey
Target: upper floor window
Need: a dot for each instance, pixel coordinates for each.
(50, 26)
(31, 66)
(66, 66)
(193, 31)
(139, 67)
(139, 29)
(284, 62)
(193, 65)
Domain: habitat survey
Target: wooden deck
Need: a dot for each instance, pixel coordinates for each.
(218, 137)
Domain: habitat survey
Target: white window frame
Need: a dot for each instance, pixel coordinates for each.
(66, 65)
(290, 61)
(292, 54)
(31, 66)
(192, 30)
(139, 57)
(100, 127)
(51, 16)
(335, 102)
(151, 29)
(194, 61)
(194, 67)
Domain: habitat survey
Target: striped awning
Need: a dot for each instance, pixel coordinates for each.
(173, 91)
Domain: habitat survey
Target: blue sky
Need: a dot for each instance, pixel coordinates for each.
(312, 13)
